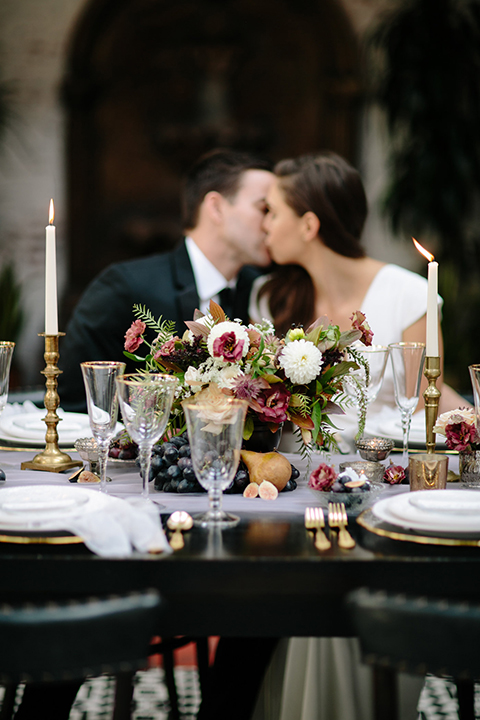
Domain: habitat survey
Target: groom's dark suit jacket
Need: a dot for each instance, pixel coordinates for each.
(164, 283)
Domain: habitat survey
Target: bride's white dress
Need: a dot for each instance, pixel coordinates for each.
(322, 678)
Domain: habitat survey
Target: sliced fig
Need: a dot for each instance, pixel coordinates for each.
(267, 490)
(356, 483)
(251, 491)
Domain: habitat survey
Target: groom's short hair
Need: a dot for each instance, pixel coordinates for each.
(219, 171)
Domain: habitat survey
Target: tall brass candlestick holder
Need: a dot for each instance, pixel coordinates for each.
(52, 459)
(432, 397)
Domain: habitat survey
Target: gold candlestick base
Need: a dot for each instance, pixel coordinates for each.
(432, 396)
(52, 459)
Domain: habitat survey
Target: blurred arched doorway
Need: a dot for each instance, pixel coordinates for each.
(152, 85)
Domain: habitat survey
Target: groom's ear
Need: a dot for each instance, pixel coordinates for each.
(212, 205)
(311, 226)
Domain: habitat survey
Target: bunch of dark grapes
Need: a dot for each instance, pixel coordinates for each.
(122, 447)
(172, 470)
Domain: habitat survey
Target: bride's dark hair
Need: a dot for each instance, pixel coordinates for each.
(330, 187)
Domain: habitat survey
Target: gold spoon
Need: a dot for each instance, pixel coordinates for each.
(179, 521)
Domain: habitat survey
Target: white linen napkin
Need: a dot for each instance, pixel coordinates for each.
(121, 527)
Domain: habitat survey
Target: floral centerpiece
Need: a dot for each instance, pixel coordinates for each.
(297, 378)
(458, 427)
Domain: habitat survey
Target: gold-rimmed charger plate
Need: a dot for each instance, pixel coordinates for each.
(378, 527)
(49, 538)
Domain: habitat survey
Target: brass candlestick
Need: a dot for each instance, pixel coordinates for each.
(432, 397)
(52, 459)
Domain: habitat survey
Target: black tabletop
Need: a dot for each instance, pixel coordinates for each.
(263, 577)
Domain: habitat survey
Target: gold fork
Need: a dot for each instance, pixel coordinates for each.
(315, 521)
(337, 518)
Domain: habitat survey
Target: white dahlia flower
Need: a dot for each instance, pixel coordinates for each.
(301, 360)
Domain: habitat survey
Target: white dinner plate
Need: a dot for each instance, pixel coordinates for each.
(393, 429)
(29, 428)
(398, 510)
(46, 507)
(455, 502)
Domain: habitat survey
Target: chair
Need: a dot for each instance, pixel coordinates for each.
(69, 640)
(417, 635)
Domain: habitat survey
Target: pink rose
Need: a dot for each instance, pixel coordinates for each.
(359, 322)
(394, 474)
(133, 336)
(273, 403)
(323, 477)
(460, 436)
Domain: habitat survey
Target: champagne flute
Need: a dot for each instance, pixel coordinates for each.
(215, 434)
(407, 363)
(102, 404)
(146, 402)
(356, 383)
(6, 353)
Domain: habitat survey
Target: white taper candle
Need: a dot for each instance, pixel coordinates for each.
(51, 311)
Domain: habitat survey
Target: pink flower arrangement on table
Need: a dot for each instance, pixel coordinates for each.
(458, 427)
(297, 378)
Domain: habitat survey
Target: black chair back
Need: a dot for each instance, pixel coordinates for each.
(57, 641)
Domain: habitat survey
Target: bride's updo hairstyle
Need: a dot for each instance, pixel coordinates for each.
(330, 187)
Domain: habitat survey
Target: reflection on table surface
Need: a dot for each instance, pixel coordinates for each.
(263, 577)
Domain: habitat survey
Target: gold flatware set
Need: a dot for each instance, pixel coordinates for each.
(337, 521)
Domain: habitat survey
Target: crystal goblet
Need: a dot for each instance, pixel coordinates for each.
(102, 404)
(215, 435)
(357, 384)
(146, 402)
(407, 362)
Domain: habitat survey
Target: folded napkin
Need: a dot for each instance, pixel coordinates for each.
(121, 527)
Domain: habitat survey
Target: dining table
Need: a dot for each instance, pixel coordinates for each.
(264, 577)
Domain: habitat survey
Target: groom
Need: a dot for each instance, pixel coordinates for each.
(223, 208)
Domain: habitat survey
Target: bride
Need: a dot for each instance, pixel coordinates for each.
(316, 213)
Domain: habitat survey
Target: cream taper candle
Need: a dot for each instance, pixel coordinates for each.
(51, 311)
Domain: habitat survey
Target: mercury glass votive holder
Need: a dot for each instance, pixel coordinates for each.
(88, 451)
(428, 471)
(375, 449)
(372, 470)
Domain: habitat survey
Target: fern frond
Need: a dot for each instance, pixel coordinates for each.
(165, 329)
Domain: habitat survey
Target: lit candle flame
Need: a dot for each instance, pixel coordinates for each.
(51, 213)
(424, 252)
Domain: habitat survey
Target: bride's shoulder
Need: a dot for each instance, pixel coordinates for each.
(395, 273)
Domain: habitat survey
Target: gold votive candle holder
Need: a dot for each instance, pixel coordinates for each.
(428, 471)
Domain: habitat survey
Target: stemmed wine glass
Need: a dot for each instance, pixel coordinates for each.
(146, 401)
(407, 363)
(6, 353)
(215, 435)
(102, 404)
(356, 383)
